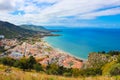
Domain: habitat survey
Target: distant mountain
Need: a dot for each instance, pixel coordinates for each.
(35, 28)
(10, 30)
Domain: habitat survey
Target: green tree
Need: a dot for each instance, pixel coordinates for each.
(61, 70)
(52, 69)
(7, 61)
(31, 61)
(38, 67)
(17, 63)
(75, 72)
(23, 64)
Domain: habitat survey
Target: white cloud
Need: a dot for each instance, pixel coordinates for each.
(59, 12)
(30, 9)
(4, 6)
(46, 1)
(78, 7)
(107, 12)
(8, 5)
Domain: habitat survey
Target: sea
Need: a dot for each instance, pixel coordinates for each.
(79, 42)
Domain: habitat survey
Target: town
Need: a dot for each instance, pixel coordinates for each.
(40, 50)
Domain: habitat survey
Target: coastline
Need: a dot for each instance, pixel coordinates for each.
(64, 52)
(43, 52)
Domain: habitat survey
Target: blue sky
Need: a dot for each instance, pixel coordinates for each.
(70, 13)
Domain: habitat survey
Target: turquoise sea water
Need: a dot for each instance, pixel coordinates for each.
(81, 41)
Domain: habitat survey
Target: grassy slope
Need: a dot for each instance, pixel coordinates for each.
(17, 74)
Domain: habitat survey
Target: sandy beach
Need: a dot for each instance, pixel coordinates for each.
(61, 51)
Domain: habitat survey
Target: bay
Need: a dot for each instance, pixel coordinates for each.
(82, 41)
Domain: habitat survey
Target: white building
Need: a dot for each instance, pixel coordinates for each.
(16, 55)
(2, 36)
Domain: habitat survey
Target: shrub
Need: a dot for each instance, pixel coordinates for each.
(114, 53)
(118, 58)
(52, 69)
(67, 74)
(107, 68)
(75, 72)
(31, 61)
(115, 70)
(91, 72)
(7, 61)
(23, 64)
(38, 67)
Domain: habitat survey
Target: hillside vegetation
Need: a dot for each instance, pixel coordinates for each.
(35, 28)
(17, 74)
(10, 30)
(103, 64)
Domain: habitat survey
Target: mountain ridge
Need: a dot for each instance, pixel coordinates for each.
(10, 30)
(35, 28)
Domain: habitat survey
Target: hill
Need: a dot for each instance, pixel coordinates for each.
(35, 28)
(10, 30)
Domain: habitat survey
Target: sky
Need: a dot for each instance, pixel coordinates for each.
(69, 13)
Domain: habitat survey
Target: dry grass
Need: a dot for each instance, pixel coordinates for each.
(17, 74)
